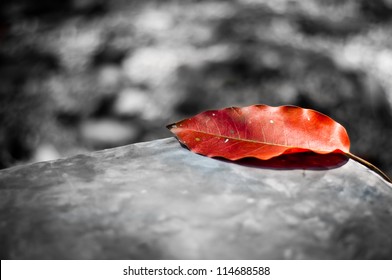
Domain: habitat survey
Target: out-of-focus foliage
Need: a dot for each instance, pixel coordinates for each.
(93, 74)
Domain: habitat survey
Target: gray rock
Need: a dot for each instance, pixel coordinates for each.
(157, 200)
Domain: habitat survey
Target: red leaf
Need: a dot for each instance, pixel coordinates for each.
(264, 132)
(261, 131)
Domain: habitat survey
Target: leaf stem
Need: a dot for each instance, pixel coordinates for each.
(370, 166)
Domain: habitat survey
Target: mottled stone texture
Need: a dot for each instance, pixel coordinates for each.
(157, 200)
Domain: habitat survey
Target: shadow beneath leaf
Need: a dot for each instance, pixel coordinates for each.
(307, 160)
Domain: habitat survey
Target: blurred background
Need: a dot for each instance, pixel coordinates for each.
(84, 75)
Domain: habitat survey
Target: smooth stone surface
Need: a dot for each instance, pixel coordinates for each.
(157, 200)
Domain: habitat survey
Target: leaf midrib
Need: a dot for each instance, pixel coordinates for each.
(245, 140)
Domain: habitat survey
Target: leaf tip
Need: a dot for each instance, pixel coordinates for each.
(170, 126)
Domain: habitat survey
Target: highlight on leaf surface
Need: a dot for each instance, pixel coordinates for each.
(263, 132)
